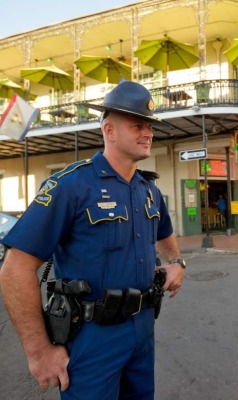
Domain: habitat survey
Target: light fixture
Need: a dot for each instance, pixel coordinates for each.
(216, 128)
(108, 47)
(49, 59)
(121, 57)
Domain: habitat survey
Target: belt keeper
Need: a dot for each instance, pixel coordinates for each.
(88, 310)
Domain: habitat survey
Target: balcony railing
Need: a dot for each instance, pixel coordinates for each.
(203, 93)
(223, 92)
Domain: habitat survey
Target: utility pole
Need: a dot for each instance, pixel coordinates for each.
(207, 240)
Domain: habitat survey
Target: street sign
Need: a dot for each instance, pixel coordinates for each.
(189, 155)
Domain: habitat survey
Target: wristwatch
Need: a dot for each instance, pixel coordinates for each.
(178, 261)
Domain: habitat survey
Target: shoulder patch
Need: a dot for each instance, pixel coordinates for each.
(72, 167)
(43, 196)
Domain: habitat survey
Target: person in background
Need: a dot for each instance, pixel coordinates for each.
(222, 208)
(101, 221)
(226, 209)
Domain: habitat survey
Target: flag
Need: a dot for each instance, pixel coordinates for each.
(17, 118)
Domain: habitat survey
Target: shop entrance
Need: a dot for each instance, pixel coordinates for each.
(217, 220)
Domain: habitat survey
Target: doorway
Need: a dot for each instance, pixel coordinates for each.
(217, 220)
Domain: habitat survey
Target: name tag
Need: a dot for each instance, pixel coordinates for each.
(107, 204)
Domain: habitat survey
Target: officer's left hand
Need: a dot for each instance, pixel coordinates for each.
(174, 278)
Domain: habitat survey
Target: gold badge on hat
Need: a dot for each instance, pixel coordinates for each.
(150, 105)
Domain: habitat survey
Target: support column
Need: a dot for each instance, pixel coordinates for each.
(207, 240)
(77, 52)
(174, 201)
(76, 146)
(201, 14)
(27, 49)
(229, 230)
(135, 28)
(26, 165)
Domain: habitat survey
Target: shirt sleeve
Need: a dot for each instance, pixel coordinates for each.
(45, 223)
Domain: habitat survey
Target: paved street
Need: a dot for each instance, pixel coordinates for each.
(196, 339)
(197, 334)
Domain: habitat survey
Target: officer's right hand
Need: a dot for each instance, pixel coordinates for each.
(49, 367)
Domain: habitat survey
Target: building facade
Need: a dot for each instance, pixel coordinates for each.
(198, 105)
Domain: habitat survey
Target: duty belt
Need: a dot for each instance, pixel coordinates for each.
(67, 308)
(117, 305)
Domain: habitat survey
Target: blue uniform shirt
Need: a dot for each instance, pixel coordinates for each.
(99, 227)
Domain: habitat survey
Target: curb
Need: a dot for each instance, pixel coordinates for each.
(221, 251)
(209, 250)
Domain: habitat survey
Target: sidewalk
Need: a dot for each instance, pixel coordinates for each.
(221, 243)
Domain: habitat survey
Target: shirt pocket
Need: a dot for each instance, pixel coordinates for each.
(153, 216)
(108, 225)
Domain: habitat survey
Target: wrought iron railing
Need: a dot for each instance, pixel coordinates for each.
(221, 92)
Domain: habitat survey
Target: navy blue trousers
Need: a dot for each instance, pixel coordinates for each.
(113, 362)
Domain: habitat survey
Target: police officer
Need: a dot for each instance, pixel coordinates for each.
(101, 220)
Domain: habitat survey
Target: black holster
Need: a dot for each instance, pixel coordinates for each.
(63, 312)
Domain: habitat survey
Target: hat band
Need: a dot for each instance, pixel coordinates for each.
(115, 107)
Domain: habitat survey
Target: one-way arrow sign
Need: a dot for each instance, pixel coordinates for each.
(190, 155)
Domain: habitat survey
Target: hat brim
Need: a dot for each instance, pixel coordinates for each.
(151, 119)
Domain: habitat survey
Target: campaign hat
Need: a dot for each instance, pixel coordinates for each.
(130, 98)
